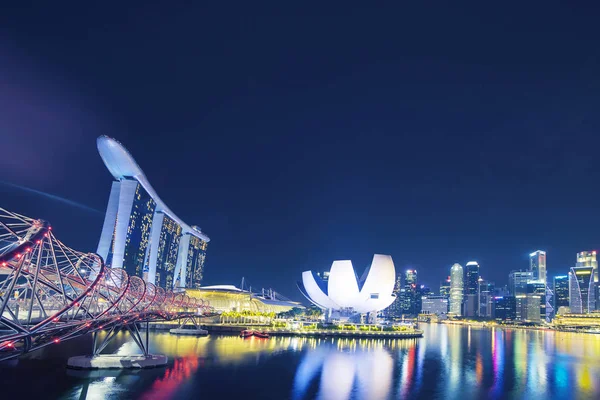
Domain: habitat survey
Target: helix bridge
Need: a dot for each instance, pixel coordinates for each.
(50, 293)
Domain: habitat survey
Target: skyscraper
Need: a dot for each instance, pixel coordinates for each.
(588, 259)
(445, 291)
(422, 291)
(581, 290)
(456, 289)
(434, 305)
(561, 292)
(486, 294)
(140, 233)
(409, 302)
(537, 265)
(395, 309)
(517, 282)
(532, 309)
(472, 284)
(537, 288)
(505, 308)
(471, 300)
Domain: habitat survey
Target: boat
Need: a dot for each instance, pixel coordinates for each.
(246, 333)
(189, 331)
(263, 335)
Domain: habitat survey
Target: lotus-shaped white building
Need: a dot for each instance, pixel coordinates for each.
(343, 290)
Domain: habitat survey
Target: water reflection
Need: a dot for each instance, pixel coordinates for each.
(166, 386)
(350, 367)
(449, 362)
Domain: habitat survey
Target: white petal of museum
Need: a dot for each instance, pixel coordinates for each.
(343, 289)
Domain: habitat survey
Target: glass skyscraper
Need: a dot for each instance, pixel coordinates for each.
(472, 284)
(445, 291)
(537, 288)
(395, 309)
(456, 289)
(561, 292)
(505, 308)
(588, 259)
(409, 294)
(581, 290)
(517, 282)
(537, 265)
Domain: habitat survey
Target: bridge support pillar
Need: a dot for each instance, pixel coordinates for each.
(115, 361)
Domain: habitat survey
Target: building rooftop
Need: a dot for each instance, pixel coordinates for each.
(122, 165)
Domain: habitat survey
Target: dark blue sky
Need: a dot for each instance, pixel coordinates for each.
(295, 136)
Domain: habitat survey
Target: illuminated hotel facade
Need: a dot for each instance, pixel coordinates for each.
(140, 233)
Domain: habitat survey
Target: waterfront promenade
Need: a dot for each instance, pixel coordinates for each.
(237, 328)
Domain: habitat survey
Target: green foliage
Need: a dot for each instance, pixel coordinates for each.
(396, 328)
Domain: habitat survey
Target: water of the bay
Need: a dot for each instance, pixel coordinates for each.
(449, 362)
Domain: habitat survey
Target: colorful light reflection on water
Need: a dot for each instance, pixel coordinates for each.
(450, 362)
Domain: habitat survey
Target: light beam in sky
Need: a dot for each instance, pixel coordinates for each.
(51, 197)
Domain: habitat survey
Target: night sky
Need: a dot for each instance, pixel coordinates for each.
(295, 136)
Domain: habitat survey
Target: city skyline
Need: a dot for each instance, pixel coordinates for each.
(349, 201)
(434, 148)
(528, 296)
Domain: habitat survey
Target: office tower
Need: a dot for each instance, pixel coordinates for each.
(532, 309)
(140, 233)
(588, 259)
(434, 305)
(410, 277)
(486, 293)
(561, 293)
(445, 287)
(445, 290)
(395, 309)
(409, 295)
(537, 288)
(581, 290)
(422, 291)
(471, 300)
(456, 289)
(537, 265)
(504, 308)
(520, 307)
(550, 311)
(472, 284)
(470, 305)
(517, 282)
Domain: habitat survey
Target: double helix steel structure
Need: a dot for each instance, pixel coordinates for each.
(51, 293)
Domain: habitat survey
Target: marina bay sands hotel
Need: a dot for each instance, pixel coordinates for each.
(140, 233)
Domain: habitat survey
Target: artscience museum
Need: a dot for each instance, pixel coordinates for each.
(344, 295)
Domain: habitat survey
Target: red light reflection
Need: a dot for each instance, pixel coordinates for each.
(166, 387)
